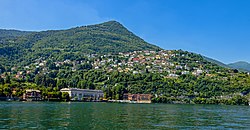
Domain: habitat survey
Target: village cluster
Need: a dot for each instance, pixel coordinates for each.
(132, 62)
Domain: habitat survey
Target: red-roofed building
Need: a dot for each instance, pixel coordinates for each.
(140, 98)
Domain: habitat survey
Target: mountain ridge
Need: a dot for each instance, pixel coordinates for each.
(42, 40)
(107, 37)
(241, 65)
(216, 62)
(11, 33)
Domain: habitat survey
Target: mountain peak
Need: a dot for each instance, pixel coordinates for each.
(111, 22)
(114, 26)
(109, 26)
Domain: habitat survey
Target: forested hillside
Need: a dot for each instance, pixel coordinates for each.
(12, 33)
(108, 37)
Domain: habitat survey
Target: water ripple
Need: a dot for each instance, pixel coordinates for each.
(46, 115)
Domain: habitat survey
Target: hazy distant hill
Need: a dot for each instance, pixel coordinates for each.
(241, 65)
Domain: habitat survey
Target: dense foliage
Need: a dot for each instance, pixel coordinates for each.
(12, 33)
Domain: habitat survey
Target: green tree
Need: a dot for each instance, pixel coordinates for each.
(7, 80)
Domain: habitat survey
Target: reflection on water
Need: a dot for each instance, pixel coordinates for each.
(43, 115)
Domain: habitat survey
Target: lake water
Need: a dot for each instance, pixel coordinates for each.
(78, 115)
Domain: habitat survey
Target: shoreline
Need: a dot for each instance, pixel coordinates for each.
(121, 102)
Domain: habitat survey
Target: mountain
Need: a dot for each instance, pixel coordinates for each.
(216, 62)
(107, 37)
(4, 33)
(241, 65)
(109, 57)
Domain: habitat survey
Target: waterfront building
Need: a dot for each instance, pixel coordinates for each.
(139, 98)
(83, 94)
(32, 95)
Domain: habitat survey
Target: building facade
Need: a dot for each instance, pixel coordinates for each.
(83, 94)
(139, 98)
(32, 95)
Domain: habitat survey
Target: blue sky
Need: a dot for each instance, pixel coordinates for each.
(215, 28)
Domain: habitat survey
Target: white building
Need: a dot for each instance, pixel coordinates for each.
(83, 94)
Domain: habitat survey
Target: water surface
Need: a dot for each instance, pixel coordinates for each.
(78, 115)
